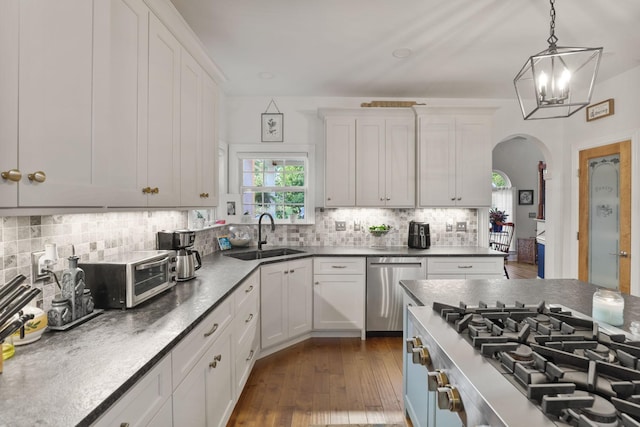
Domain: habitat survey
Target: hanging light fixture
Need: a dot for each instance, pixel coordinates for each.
(558, 81)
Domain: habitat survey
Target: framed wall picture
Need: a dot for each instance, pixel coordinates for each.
(272, 127)
(525, 197)
(600, 110)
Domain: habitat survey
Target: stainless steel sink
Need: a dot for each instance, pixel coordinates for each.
(262, 254)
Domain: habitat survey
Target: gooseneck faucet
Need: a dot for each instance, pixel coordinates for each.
(273, 227)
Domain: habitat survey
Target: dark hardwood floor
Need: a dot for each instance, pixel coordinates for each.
(332, 381)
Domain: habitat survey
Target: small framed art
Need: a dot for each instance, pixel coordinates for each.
(525, 197)
(600, 110)
(272, 127)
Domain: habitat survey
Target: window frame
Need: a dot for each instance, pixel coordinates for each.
(239, 152)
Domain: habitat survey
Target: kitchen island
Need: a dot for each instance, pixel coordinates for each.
(499, 355)
(73, 377)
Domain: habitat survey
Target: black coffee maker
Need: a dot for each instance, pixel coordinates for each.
(188, 259)
(419, 237)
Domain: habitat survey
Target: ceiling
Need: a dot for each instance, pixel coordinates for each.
(459, 48)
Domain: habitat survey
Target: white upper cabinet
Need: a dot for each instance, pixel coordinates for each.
(198, 138)
(454, 158)
(162, 172)
(385, 166)
(54, 108)
(340, 161)
(370, 157)
(90, 107)
(9, 33)
(120, 58)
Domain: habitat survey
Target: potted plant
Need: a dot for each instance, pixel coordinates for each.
(497, 218)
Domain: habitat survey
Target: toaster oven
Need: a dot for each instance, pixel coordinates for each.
(126, 280)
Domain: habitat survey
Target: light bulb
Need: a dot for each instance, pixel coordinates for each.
(542, 84)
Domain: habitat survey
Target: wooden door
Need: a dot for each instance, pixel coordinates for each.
(370, 162)
(340, 183)
(593, 249)
(400, 158)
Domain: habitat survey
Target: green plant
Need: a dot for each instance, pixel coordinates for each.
(496, 215)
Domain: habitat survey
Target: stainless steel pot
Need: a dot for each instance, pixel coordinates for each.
(187, 262)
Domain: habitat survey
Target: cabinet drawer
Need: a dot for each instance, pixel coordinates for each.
(189, 350)
(141, 403)
(339, 265)
(464, 265)
(248, 292)
(245, 320)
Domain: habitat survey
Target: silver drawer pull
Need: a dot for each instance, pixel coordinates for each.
(250, 356)
(249, 289)
(249, 318)
(215, 328)
(465, 266)
(338, 266)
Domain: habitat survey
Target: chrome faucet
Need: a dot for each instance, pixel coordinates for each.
(273, 227)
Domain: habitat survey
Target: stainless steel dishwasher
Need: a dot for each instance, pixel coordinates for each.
(384, 294)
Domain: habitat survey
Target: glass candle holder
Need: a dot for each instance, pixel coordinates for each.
(608, 307)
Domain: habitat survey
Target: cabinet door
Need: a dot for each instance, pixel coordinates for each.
(205, 397)
(143, 401)
(120, 72)
(473, 159)
(370, 162)
(190, 129)
(55, 103)
(436, 161)
(274, 298)
(208, 183)
(300, 297)
(338, 301)
(9, 31)
(340, 161)
(198, 139)
(162, 171)
(400, 162)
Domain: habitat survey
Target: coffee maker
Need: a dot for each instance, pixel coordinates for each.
(188, 259)
(419, 237)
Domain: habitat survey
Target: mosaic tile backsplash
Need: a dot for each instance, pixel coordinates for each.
(98, 235)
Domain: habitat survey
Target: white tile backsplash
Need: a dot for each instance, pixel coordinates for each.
(97, 235)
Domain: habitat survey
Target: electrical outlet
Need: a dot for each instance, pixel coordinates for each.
(461, 226)
(356, 226)
(341, 225)
(449, 226)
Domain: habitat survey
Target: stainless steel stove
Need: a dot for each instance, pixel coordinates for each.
(519, 365)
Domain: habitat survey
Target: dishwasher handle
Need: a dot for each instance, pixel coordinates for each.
(396, 264)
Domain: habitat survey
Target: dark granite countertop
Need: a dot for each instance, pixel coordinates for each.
(571, 293)
(71, 378)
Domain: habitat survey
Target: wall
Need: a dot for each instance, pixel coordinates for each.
(580, 134)
(518, 158)
(303, 126)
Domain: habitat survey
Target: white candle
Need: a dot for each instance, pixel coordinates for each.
(608, 307)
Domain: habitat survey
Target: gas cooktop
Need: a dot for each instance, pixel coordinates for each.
(576, 371)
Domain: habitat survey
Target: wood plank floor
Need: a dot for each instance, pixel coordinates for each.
(332, 381)
(521, 270)
(325, 381)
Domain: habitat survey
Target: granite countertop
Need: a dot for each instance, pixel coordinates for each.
(571, 293)
(72, 377)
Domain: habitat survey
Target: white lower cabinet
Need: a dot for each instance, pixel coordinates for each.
(145, 401)
(205, 397)
(286, 294)
(246, 338)
(465, 267)
(339, 293)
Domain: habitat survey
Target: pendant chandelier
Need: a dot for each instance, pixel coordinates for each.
(558, 81)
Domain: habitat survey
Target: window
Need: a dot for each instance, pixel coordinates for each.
(274, 179)
(274, 185)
